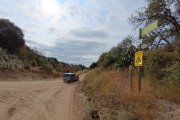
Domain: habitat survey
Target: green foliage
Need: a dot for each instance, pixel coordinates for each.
(107, 59)
(173, 73)
(48, 67)
(53, 61)
(167, 13)
(164, 63)
(93, 65)
(26, 53)
(8, 61)
(45, 64)
(58, 68)
(11, 36)
(120, 56)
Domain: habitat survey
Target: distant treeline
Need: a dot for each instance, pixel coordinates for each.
(15, 54)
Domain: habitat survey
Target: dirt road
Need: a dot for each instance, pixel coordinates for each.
(39, 100)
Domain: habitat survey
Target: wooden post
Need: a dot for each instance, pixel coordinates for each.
(139, 74)
(130, 77)
(139, 79)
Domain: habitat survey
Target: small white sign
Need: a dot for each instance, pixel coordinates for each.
(143, 46)
(139, 42)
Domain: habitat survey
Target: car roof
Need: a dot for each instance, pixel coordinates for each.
(69, 73)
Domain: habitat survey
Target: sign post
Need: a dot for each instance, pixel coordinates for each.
(130, 77)
(138, 58)
(139, 63)
(139, 55)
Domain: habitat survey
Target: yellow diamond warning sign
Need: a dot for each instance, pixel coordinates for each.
(138, 58)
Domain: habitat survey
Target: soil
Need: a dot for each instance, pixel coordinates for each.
(78, 105)
(26, 98)
(37, 100)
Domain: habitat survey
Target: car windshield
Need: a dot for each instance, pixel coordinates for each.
(69, 75)
(72, 75)
(66, 75)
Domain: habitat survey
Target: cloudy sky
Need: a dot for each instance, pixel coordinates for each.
(73, 31)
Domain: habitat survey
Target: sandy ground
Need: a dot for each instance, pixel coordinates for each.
(39, 100)
(79, 104)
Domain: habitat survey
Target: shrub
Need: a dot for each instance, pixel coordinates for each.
(48, 67)
(120, 56)
(93, 65)
(53, 61)
(45, 64)
(11, 36)
(109, 93)
(58, 68)
(173, 74)
(161, 62)
(9, 62)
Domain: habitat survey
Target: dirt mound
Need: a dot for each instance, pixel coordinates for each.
(25, 75)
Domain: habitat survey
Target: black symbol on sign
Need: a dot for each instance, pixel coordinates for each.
(138, 59)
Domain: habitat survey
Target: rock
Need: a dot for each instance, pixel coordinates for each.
(94, 114)
(88, 99)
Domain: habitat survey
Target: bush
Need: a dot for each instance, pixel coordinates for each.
(58, 68)
(93, 65)
(120, 56)
(173, 74)
(53, 61)
(45, 64)
(11, 36)
(48, 67)
(9, 62)
(163, 62)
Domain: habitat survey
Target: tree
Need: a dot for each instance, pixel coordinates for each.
(93, 65)
(11, 36)
(126, 51)
(53, 61)
(167, 12)
(120, 56)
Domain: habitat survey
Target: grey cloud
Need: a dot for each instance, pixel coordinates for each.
(74, 11)
(73, 51)
(90, 17)
(32, 43)
(84, 33)
(52, 30)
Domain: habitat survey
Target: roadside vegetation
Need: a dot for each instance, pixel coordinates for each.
(108, 91)
(109, 94)
(17, 56)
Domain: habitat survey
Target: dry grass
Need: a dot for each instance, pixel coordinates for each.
(164, 90)
(110, 93)
(81, 72)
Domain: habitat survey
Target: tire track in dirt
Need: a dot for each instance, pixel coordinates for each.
(40, 100)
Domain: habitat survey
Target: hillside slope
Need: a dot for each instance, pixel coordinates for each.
(110, 95)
